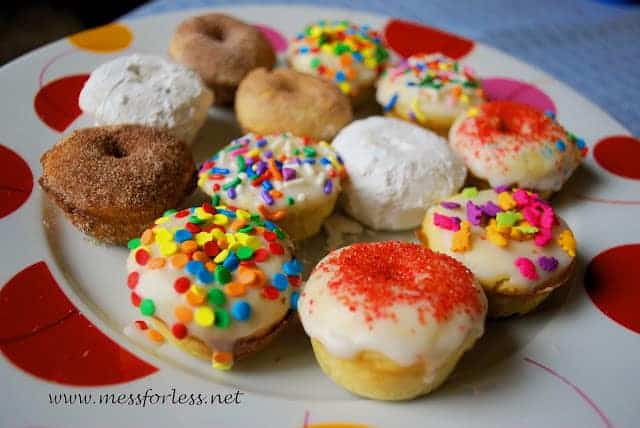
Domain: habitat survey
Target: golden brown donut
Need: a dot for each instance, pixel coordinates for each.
(285, 100)
(112, 182)
(222, 50)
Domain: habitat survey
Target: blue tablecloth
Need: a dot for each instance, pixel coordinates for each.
(594, 46)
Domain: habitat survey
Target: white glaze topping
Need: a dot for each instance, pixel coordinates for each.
(416, 322)
(147, 90)
(396, 170)
(427, 86)
(494, 265)
(507, 143)
(265, 281)
(272, 173)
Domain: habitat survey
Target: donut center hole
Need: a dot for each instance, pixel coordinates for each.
(114, 149)
(284, 85)
(217, 34)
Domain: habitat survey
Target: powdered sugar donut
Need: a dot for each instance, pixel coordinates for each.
(147, 90)
(390, 320)
(431, 90)
(514, 243)
(396, 170)
(218, 282)
(507, 143)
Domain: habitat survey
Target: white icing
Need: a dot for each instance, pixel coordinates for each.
(492, 263)
(536, 165)
(306, 188)
(406, 340)
(431, 102)
(158, 285)
(396, 171)
(147, 90)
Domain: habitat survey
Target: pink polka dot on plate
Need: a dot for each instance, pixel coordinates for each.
(504, 89)
(278, 41)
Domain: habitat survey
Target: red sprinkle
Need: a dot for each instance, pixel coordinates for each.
(373, 277)
(191, 227)
(270, 236)
(135, 299)
(276, 248)
(182, 213)
(142, 257)
(179, 330)
(260, 255)
(141, 325)
(182, 284)
(207, 207)
(216, 187)
(132, 280)
(270, 292)
(211, 249)
(294, 280)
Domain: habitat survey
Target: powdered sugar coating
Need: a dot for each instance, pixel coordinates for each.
(396, 171)
(147, 90)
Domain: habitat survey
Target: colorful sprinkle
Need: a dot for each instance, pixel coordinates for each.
(527, 268)
(547, 264)
(241, 310)
(446, 222)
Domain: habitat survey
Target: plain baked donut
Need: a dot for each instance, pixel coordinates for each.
(285, 100)
(222, 50)
(113, 181)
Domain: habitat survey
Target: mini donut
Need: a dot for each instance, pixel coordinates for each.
(147, 90)
(290, 180)
(431, 90)
(113, 181)
(513, 241)
(510, 144)
(390, 320)
(218, 282)
(345, 53)
(222, 50)
(285, 100)
(396, 170)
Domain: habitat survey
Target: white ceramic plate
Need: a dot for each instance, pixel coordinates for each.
(567, 365)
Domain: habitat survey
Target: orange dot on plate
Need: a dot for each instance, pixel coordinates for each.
(108, 38)
(612, 279)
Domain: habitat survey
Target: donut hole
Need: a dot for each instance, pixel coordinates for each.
(216, 33)
(114, 149)
(284, 85)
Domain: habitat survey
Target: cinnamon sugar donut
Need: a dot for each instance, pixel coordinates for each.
(113, 181)
(286, 100)
(222, 50)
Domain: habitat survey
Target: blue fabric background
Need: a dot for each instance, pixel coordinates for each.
(592, 46)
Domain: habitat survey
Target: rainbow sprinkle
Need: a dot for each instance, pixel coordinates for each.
(218, 251)
(271, 173)
(338, 50)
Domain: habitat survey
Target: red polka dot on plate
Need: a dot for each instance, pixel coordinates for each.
(16, 181)
(504, 89)
(56, 103)
(612, 281)
(410, 38)
(278, 42)
(42, 333)
(620, 155)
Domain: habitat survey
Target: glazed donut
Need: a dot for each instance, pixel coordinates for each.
(390, 320)
(222, 50)
(350, 55)
(510, 144)
(396, 170)
(113, 181)
(218, 282)
(514, 243)
(431, 90)
(147, 90)
(290, 180)
(285, 100)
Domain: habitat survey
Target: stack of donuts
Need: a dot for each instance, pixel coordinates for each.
(386, 320)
